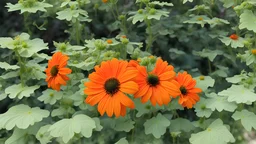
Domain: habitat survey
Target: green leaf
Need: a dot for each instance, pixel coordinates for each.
(22, 116)
(97, 123)
(210, 54)
(239, 94)
(248, 20)
(66, 128)
(20, 91)
(142, 108)
(18, 137)
(156, 125)
(201, 110)
(2, 96)
(50, 96)
(216, 133)
(234, 43)
(161, 3)
(123, 124)
(228, 3)
(43, 135)
(33, 8)
(237, 78)
(184, 1)
(204, 82)
(247, 119)
(11, 74)
(200, 19)
(122, 141)
(220, 103)
(6, 66)
(181, 124)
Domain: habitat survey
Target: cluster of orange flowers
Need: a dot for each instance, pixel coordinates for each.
(114, 79)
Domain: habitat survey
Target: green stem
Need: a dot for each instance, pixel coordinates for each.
(22, 68)
(133, 130)
(150, 36)
(26, 23)
(78, 32)
(123, 51)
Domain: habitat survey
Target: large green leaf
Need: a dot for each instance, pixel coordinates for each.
(50, 96)
(18, 137)
(201, 110)
(216, 133)
(239, 94)
(124, 124)
(22, 116)
(156, 125)
(248, 20)
(181, 124)
(233, 43)
(220, 103)
(204, 82)
(20, 91)
(43, 135)
(122, 141)
(247, 118)
(36, 6)
(7, 66)
(66, 128)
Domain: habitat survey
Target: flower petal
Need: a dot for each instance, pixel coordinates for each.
(129, 87)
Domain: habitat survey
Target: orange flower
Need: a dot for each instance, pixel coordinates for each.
(253, 51)
(133, 64)
(109, 41)
(188, 93)
(57, 72)
(123, 36)
(104, 1)
(108, 85)
(234, 37)
(156, 85)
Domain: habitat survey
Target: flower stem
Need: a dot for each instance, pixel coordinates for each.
(150, 36)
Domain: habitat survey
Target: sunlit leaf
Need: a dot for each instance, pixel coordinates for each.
(220, 103)
(248, 20)
(239, 94)
(50, 96)
(22, 116)
(247, 119)
(7, 66)
(216, 133)
(20, 91)
(66, 128)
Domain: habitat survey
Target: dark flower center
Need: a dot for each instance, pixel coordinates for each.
(183, 90)
(152, 80)
(54, 70)
(112, 86)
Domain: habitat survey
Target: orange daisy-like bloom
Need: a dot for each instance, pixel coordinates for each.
(109, 41)
(104, 1)
(187, 91)
(108, 85)
(156, 85)
(234, 37)
(57, 72)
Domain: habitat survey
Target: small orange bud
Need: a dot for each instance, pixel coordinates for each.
(234, 37)
(151, 56)
(109, 41)
(253, 51)
(123, 36)
(201, 77)
(104, 1)
(138, 60)
(200, 19)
